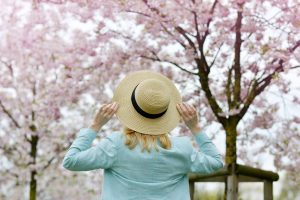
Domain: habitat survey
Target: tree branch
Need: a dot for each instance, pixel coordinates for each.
(295, 47)
(203, 59)
(267, 22)
(200, 40)
(9, 115)
(11, 173)
(237, 59)
(49, 163)
(182, 32)
(139, 13)
(198, 37)
(156, 58)
(215, 57)
(9, 66)
(249, 99)
(228, 88)
(298, 66)
(259, 86)
(203, 78)
(208, 23)
(168, 32)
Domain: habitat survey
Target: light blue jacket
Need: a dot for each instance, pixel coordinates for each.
(135, 175)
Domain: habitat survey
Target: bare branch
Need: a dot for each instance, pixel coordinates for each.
(198, 37)
(6, 171)
(215, 57)
(156, 58)
(228, 88)
(203, 59)
(298, 66)
(270, 24)
(182, 32)
(295, 47)
(9, 115)
(139, 13)
(170, 33)
(237, 59)
(155, 10)
(49, 163)
(251, 96)
(208, 22)
(203, 78)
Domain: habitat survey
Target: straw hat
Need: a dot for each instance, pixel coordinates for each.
(147, 103)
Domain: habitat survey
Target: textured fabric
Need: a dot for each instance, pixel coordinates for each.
(135, 175)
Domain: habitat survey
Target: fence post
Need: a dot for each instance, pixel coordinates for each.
(232, 184)
(268, 190)
(192, 189)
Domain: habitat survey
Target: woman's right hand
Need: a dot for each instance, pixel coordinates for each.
(104, 114)
(189, 116)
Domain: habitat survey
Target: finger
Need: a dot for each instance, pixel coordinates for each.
(187, 109)
(103, 107)
(116, 107)
(191, 110)
(179, 109)
(184, 111)
(194, 110)
(100, 111)
(107, 108)
(112, 109)
(103, 111)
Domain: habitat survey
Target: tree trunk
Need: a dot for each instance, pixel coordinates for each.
(33, 182)
(230, 156)
(32, 192)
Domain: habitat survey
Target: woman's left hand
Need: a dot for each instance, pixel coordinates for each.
(104, 114)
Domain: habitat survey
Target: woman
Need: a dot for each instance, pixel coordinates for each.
(144, 162)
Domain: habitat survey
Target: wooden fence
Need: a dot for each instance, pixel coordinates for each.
(233, 174)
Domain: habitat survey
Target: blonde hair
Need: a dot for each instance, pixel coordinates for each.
(147, 142)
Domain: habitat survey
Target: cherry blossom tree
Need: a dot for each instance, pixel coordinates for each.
(47, 65)
(237, 50)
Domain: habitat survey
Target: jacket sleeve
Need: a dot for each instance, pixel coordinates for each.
(82, 157)
(208, 159)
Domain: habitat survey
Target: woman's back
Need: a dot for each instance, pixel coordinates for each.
(152, 166)
(159, 174)
(136, 174)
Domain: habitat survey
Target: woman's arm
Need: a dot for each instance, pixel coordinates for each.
(208, 159)
(81, 156)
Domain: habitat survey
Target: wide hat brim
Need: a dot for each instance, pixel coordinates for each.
(130, 118)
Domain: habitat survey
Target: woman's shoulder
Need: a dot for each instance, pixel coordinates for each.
(180, 139)
(181, 142)
(115, 137)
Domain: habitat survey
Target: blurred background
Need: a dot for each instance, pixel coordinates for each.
(238, 61)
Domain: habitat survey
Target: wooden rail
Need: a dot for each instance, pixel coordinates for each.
(232, 175)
